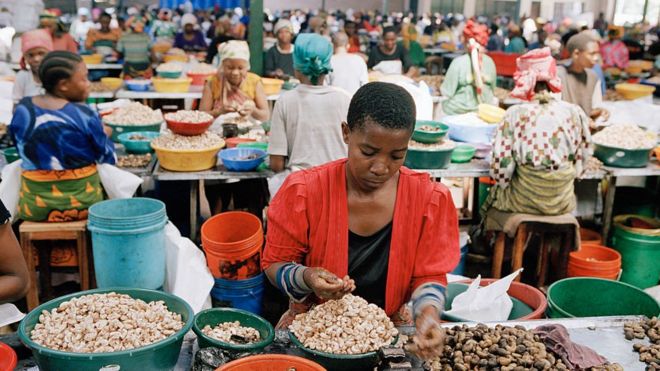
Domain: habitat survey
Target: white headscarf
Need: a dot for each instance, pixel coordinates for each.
(188, 19)
(234, 49)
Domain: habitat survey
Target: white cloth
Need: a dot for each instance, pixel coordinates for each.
(25, 86)
(306, 125)
(419, 92)
(349, 72)
(79, 29)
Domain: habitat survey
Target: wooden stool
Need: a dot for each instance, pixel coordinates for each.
(546, 231)
(69, 231)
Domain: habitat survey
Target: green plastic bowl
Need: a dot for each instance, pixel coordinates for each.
(139, 147)
(343, 362)
(427, 136)
(463, 153)
(117, 130)
(257, 145)
(518, 311)
(11, 154)
(162, 355)
(619, 157)
(170, 75)
(428, 159)
(215, 316)
(596, 297)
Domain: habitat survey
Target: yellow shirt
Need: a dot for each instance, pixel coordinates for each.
(248, 87)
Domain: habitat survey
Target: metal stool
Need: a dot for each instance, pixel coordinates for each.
(69, 231)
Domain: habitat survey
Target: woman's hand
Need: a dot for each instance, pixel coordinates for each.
(326, 285)
(430, 337)
(247, 108)
(600, 114)
(107, 130)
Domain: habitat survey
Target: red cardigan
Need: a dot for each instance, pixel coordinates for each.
(308, 224)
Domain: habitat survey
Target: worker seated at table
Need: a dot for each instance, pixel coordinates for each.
(278, 61)
(580, 84)
(103, 40)
(540, 146)
(233, 89)
(305, 128)
(14, 276)
(60, 142)
(471, 78)
(62, 40)
(134, 47)
(388, 51)
(366, 224)
(35, 45)
(191, 39)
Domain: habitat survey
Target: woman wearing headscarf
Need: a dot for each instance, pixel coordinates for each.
(305, 127)
(135, 48)
(471, 78)
(35, 45)
(234, 89)
(191, 39)
(279, 59)
(540, 146)
(61, 39)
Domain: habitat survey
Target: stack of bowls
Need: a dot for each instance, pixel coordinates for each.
(429, 158)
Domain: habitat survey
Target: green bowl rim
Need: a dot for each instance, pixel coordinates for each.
(442, 125)
(430, 149)
(22, 334)
(132, 126)
(236, 347)
(146, 133)
(341, 357)
(563, 312)
(4, 151)
(624, 149)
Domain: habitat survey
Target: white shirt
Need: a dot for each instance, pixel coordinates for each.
(306, 126)
(25, 86)
(349, 72)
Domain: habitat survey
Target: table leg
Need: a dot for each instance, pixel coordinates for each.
(194, 192)
(608, 206)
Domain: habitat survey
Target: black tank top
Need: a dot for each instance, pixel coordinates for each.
(368, 259)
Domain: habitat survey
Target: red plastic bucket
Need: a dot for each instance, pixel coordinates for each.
(529, 295)
(8, 358)
(271, 362)
(199, 78)
(594, 261)
(232, 242)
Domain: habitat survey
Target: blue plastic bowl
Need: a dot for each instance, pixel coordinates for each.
(138, 85)
(242, 159)
(138, 146)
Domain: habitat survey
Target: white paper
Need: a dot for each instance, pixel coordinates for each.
(389, 67)
(187, 275)
(490, 303)
(9, 314)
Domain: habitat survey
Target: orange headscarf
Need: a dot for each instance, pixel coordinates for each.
(477, 31)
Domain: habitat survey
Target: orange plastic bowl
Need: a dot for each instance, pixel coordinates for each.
(187, 128)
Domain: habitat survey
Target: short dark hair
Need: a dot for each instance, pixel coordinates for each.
(105, 15)
(389, 29)
(579, 42)
(57, 66)
(384, 104)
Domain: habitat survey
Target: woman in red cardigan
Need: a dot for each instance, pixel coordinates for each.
(391, 233)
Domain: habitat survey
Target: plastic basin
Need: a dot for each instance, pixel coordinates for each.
(428, 159)
(258, 145)
(429, 137)
(188, 160)
(138, 85)
(244, 294)
(112, 83)
(242, 159)
(181, 85)
(343, 362)
(619, 157)
(138, 146)
(235, 141)
(169, 74)
(594, 261)
(175, 58)
(188, 128)
(199, 78)
(528, 302)
(637, 238)
(634, 91)
(595, 297)
(272, 86)
(8, 358)
(117, 130)
(215, 316)
(11, 154)
(162, 355)
(92, 58)
(271, 362)
(463, 153)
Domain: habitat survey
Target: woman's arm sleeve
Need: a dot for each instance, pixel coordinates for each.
(105, 149)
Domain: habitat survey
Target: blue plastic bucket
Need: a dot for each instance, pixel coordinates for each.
(241, 294)
(128, 243)
(464, 243)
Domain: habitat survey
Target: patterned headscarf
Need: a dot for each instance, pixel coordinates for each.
(234, 49)
(35, 39)
(536, 65)
(135, 23)
(311, 56)
(477, 31)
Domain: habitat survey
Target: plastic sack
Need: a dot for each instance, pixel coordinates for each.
(118, 183)
(9, 314)
(187, 275)
(10, 186)
(389, 67)
(490, 303)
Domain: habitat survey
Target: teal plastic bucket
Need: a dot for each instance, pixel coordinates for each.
(241, 294)
(128, 242)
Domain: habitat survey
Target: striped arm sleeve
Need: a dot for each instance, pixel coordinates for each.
(428, 294)
(291, 282)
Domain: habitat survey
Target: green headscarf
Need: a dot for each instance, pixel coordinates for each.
(311, 56)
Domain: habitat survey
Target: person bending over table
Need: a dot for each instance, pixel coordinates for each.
(60, 142)
(366, 224)
(233, 89)
(14, 275)
(540, 146)
(471, 78)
